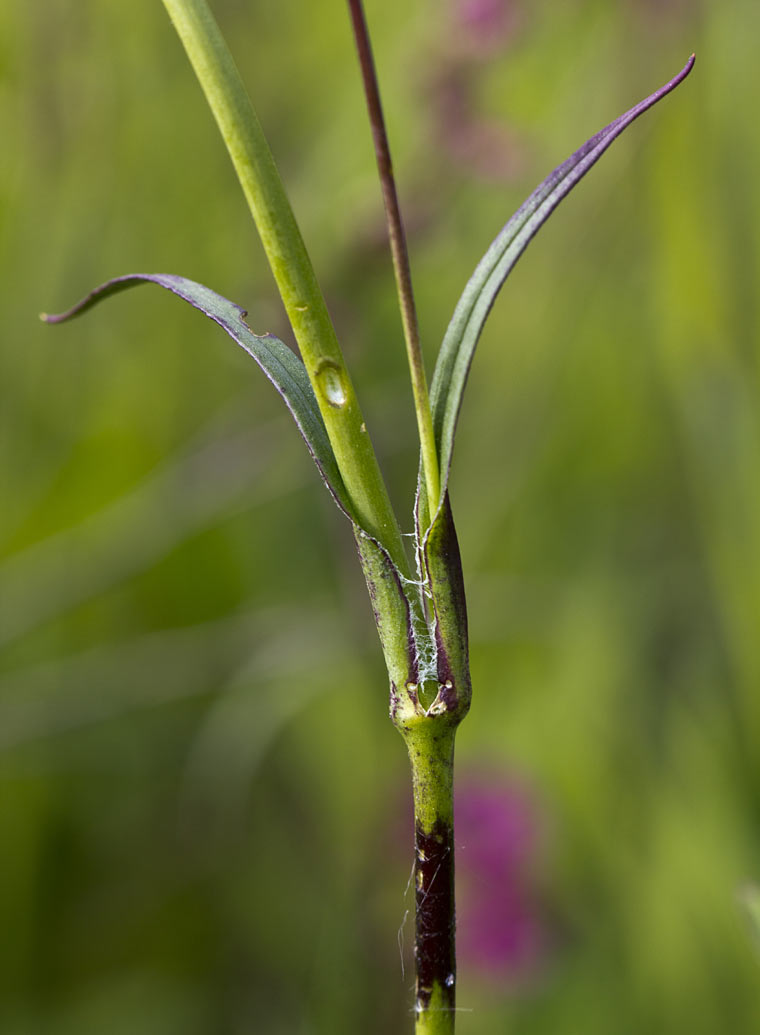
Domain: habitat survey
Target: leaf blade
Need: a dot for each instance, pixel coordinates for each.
(278, 363)
(398, 615)
(472, 310)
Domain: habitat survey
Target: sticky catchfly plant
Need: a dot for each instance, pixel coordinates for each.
(418, 601)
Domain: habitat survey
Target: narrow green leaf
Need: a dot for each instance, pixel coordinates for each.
(480, 293)
(281, 366)
(397, 611)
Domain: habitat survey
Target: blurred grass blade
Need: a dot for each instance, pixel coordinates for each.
(182, 497)
(472, 310)
(749, 902)
(283, 368)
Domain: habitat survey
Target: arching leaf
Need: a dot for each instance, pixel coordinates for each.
(282, 367)
(398, 613)
(472, 310)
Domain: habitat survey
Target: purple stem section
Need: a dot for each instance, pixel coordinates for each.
(435, 924)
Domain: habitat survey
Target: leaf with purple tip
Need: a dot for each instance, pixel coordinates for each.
(281, 366)
(472, 310)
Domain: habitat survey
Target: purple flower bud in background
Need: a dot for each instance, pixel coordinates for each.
(500, 932)
(473, 32)
(486, 24)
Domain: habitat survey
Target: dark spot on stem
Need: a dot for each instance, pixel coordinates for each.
(435, 924)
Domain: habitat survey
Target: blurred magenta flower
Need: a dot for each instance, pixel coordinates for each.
(486, 24)
(501, 933)
(473, 32)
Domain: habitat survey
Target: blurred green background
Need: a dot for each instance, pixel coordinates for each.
(203, 808)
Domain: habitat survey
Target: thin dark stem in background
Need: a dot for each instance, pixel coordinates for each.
(399, 252)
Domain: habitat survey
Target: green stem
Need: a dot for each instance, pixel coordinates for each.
(430, 742)
(400, 256)
(292, 269)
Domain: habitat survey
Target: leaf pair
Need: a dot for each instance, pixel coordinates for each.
(287, 372)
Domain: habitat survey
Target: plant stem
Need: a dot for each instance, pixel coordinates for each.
(400, 255)
(292, 269)
(430, 742)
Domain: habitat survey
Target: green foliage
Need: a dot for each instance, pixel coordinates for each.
(177, 693)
